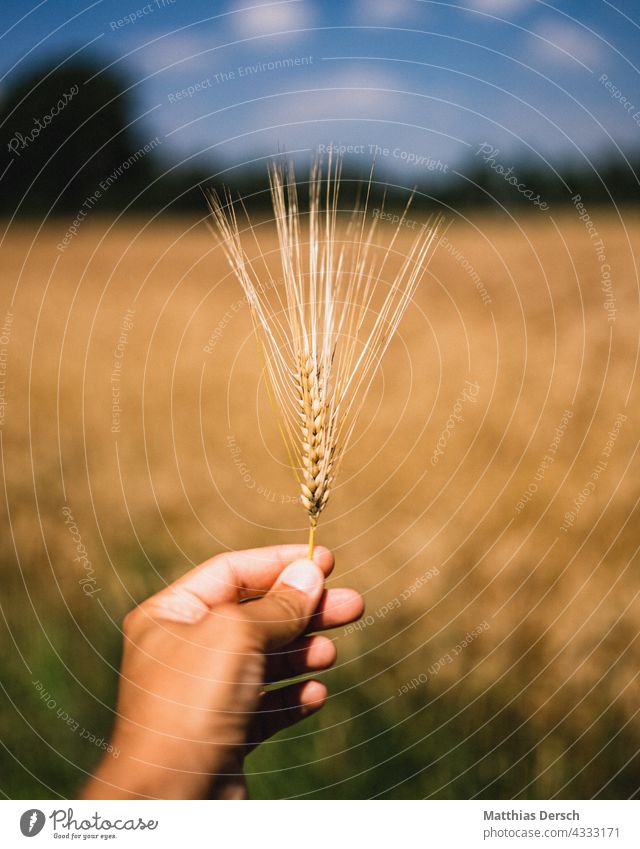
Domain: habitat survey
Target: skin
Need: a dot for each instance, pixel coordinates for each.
(197, 656)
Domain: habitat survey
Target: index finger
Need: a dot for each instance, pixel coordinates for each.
(232, 576)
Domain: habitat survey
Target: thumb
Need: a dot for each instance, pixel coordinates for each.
(285, 611)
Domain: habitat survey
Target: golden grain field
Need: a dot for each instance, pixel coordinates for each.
(492, 525)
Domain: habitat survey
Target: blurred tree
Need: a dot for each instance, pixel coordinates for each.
(64, 131)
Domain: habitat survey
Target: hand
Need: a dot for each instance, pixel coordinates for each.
(196, 660)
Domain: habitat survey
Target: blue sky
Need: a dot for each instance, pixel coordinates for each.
(427, 81)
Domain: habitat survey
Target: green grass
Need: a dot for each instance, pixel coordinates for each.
(440, 746)
(366, 742)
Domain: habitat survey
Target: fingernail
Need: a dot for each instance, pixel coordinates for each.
(302, 575)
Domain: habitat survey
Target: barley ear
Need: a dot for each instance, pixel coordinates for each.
(324, 329)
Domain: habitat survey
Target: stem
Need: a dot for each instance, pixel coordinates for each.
(312, 532)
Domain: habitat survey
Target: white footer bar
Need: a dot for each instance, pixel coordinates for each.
(321, 824)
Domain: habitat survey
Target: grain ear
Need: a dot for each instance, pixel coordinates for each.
(324, 326)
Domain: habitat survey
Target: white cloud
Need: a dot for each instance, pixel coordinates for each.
(257, 17)
(358, 89)
(189, 52)
(561, 42)
(504, 8)
(389, 12)
(342, 97)
(353, 108)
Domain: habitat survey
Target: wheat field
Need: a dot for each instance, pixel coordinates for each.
(486, 508)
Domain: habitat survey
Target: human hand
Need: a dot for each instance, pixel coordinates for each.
(197, 656)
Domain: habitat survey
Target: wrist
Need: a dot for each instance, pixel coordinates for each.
(124, 776)
(151, 766)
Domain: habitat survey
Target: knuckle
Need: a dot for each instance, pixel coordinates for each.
(133, 624)
(128, 623)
